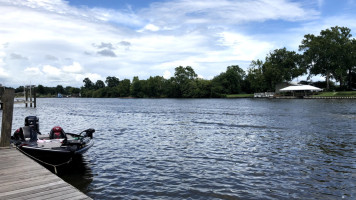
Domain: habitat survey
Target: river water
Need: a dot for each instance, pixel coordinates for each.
(208, 148)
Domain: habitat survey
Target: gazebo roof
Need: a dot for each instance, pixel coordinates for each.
(301, 88)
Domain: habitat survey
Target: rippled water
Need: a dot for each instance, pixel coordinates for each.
(208, 148)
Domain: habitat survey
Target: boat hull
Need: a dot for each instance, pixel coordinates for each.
(54, 156)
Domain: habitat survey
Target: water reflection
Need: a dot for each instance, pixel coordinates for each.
(78, 173)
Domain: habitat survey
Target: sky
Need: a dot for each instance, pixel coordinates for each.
(61, 42)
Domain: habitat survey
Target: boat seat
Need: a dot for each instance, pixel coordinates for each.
(57, 133)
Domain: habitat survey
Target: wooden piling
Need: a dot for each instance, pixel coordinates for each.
(34, 97)
(8, 107)
(31, 96)
(26, 97)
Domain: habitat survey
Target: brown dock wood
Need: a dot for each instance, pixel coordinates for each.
(8, 107)
(23, 178)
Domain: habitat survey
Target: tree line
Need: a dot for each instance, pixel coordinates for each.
(331, 54)
(184, 84)
(53, 91)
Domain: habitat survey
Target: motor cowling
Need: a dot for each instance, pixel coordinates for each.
(33, 122)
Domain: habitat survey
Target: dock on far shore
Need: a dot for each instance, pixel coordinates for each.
(29, 96)
(23, 178)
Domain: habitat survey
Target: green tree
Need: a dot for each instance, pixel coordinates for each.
(200, 88)
(99, 84)
(328, 54)
(112, 81)
(60, 89)
(229, 82)
(72, 90)
(183, 77)
(112, 92)
(255, 79)
(40, 89)
(172, 89)
(88, 84)
(155, 86)
(136, 89)
(281, 65)
(124, 88)
(352, 65)
(19, 89)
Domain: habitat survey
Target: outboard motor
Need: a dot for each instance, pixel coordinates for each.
(33, 122)
(31, 128)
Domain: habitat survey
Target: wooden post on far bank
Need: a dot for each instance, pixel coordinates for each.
(31, 96)
(8, 107)
(26, 96)
(34, 97)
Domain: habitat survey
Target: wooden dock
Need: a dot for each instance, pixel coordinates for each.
(23, 178)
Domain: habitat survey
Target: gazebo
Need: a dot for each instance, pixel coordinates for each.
(301, 90)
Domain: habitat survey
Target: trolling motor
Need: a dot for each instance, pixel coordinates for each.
(88, 133)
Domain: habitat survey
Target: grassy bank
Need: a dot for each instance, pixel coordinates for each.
(239, 96)
(321, 94)
(337, 94)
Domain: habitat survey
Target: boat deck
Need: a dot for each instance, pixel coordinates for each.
(23, 178)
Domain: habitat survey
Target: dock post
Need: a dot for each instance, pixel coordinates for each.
(34, 96)
(26, 96)
(8, 107)
(31, 96)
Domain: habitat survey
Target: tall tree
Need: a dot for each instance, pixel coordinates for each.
(281, 65)
(99, 84)
(327, 54)
(88, 84)
(112, 81)
(229, 82)
(183, 77)
(155, 86)
(124, 88)
(136, 89)
(255, 78)
(40, 89)
(60, 89)
(352, 66)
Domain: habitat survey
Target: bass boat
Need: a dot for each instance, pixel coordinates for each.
(55, 148)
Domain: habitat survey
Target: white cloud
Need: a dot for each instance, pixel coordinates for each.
(244, 47)
(51, 70)
(74, 68)
(320, 3)
(33, 71)
(65, 44)
(91, 76)
(167, 74)
(3, 73)
(225, 11)
(150, 27)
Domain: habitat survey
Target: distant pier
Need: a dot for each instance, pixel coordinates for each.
(29, 99)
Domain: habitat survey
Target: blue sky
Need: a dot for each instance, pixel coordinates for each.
(58, 42)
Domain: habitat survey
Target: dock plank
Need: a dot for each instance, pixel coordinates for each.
(48, 193)
(23, 178)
